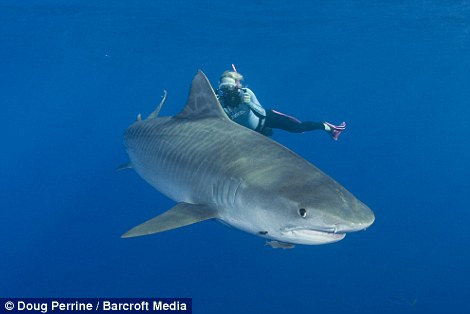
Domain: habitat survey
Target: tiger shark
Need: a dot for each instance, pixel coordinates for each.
(214, 168)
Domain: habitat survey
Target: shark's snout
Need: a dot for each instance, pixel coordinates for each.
(361, 219)
(360, 222)
(351, 227)
(350, 216)
(328, 228)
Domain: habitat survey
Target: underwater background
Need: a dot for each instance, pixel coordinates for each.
(74, 74)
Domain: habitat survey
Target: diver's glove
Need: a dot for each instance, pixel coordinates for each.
(246, 98)
(334, 130)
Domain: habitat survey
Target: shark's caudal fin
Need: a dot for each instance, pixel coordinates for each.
(155, 113)
(202, 102)
(181, 215)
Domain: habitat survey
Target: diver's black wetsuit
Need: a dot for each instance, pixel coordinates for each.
(277, 120)
(253, 116)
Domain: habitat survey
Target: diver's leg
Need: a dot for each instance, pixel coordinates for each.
(278, 120)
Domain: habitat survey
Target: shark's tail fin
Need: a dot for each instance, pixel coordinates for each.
(154, 114)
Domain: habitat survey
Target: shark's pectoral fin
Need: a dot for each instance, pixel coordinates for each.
(181, 215)
(124, 166)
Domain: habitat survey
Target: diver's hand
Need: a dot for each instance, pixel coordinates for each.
(246, 98)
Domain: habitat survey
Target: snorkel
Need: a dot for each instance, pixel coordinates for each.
(239, 85)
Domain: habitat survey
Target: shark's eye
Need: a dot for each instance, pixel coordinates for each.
(303, 212)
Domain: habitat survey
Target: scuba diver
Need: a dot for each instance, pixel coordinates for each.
(242, 106)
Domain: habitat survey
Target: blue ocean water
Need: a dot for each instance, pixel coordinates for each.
(74, 75)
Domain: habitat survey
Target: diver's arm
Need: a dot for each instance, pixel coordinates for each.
(253, 102)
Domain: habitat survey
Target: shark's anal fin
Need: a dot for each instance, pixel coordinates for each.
(181, 215)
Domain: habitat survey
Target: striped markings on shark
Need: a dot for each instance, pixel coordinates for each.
(216, 169)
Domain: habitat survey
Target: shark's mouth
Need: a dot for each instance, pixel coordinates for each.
(311, 236)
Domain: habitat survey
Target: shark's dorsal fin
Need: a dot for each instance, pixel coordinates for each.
(202, 102)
